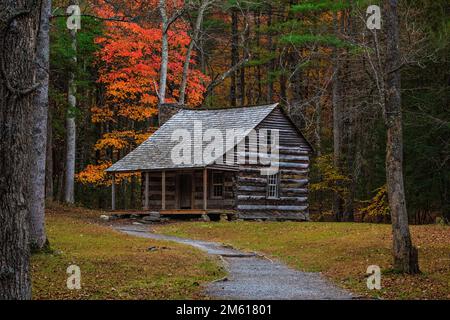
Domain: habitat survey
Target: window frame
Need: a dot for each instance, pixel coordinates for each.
(214, 184)
(273, 184)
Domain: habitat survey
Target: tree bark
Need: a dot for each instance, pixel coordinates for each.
(234, 54)
(242, 86)
(271, 66)
(38, 237)
(283, 89)
(349, 114)
(194, 39)
(69, 195)
(164, 51)
(18, 25)
(258, 45)
(242, 77)
(49, 188)
(404, 253)
(337, 119)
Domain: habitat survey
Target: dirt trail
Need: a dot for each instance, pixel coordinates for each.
(251, 276)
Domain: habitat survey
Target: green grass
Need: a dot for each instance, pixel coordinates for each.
(341, 251)
(114, 265)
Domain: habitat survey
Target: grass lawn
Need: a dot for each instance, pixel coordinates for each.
(113, 265)
(341, 251)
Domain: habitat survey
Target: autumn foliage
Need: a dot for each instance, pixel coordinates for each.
(128, 62)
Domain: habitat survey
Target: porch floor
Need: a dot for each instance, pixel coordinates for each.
(172, 212)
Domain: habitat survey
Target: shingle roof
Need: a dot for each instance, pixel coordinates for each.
(155, 152)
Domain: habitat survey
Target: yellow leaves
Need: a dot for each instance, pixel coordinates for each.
(330, 177)
(378, 205)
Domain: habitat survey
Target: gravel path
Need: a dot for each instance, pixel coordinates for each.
(251, 276)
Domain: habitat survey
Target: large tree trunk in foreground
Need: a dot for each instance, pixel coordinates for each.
(49, 190)
(18, 25)
(40, 111)
(69, 195)
(405, 254)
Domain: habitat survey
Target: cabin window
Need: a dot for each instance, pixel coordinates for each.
(217, 185)
(273, 186)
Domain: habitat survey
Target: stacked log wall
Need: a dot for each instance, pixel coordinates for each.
(294, 161)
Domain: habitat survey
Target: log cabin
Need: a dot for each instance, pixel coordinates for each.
(233, 179)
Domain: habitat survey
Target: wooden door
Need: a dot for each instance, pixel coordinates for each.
(185, 189)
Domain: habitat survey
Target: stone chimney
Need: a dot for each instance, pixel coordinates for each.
(167, 111)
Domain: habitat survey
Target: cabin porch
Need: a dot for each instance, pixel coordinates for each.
(199, 191)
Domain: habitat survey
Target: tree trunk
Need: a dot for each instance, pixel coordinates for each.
(38, 237)
(234, 54)
(405, 254)
(242, 77)
(19, 22)
(271, 66)
(242, 87)
(258, 45)
(318, 129)
(49, 190)
(187, 61)
(283, 89)
(69, 195)
(337, 120)
(164, 52)
(349, 114)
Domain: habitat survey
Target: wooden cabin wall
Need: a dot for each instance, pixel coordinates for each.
(292, 203)
(155, 191)
(228, 201)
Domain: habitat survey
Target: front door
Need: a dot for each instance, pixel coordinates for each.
(185, 188)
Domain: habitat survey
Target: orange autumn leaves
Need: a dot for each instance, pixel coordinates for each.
(128, 63)
(119, 140)
(96, 175)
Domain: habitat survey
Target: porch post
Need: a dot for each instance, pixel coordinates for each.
(163, 191)
(193, 191)
(205, 189)
(146, 191)
(113, 193)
